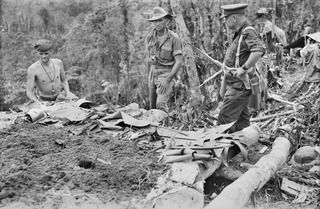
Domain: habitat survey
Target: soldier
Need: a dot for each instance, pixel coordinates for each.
(164, 58)
(270, 31)
(47, 76)
(307, 28)
(243, 53)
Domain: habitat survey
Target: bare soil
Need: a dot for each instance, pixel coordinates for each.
(37, 158)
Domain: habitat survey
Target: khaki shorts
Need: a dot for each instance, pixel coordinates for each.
(156, 76)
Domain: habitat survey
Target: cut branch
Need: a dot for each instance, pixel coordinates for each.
(211, 78)
(279, 99)
(207, 56)
(266, 117)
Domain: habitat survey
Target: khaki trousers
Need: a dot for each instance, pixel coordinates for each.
(235, 108)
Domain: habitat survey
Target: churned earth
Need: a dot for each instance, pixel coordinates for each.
(39, 161)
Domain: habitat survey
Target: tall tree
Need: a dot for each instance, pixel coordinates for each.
(126, 49)
(189, 58)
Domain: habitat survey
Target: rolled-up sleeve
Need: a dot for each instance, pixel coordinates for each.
(176, 46)
(253, 42)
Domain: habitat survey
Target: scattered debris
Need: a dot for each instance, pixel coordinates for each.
(298, 191)
(194, 155)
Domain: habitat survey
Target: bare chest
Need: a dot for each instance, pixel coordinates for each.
(49, 73)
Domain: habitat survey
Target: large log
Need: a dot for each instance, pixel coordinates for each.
(238, 193)
(171, 191)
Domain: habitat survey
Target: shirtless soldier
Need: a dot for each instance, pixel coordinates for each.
(48, 76)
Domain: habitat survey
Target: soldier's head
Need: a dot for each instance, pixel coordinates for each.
(160, 18)
(43, 47)
(262, 14)
(234, 14)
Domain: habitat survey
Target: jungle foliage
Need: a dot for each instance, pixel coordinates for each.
(101, 42)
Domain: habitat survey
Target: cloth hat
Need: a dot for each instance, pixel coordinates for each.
(159, 13)
(262, 11)
(43, 45)
(315, 36)
(231, 9)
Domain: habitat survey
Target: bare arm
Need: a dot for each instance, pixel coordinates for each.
(176, 67)
(64, 79)
(30, 86)
(251, 61)
(68, 95)
(165, 83)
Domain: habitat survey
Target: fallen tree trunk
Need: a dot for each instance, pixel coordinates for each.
(237, 194)
(183, 184)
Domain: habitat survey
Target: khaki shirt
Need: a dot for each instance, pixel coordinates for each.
(311, 54)
(250, 43)
(279, 33)
(162, 53)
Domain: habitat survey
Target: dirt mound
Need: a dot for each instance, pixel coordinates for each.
(36, 159)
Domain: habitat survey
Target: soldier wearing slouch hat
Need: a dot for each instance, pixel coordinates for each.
(164, 58)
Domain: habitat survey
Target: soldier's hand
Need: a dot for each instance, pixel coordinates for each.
(163, 86)
(70, 96)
